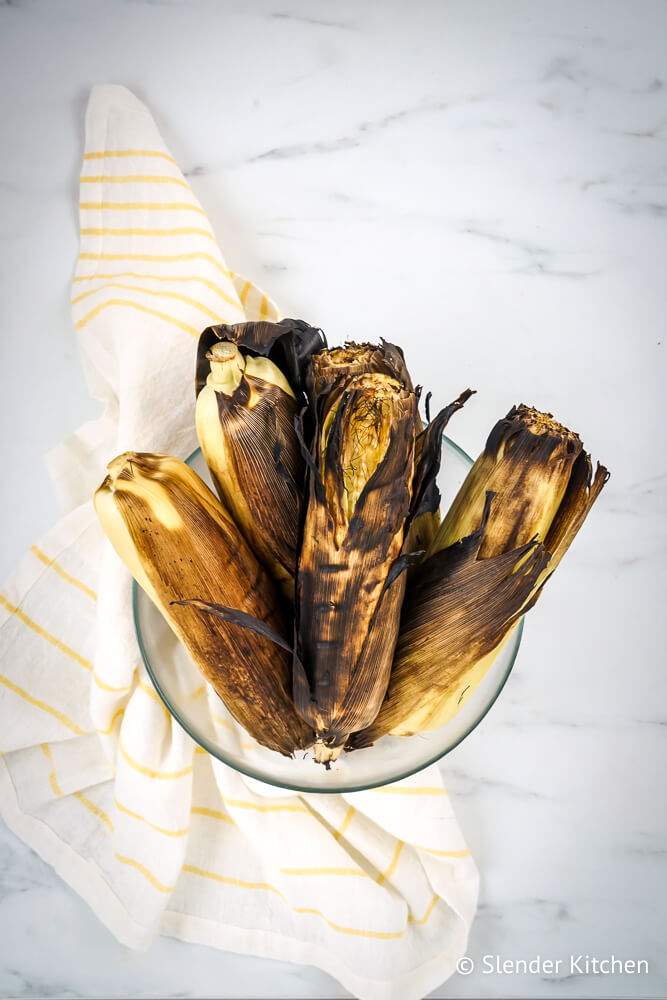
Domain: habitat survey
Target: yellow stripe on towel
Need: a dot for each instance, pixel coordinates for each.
(42, 705)
(150, 691)
(178, 231)
(230, 880)
(345, 872)
(152, 772)
(212, 814)
(264, 308)
(147, 874)
(174, 278)
(53, 777)
(129, 304)
(393, 864)
(347, 819)
(465, 853)
(154, 826)
(110, 687)
(195, 303)
(306, 910)
(355, 931)
(104, 154)
(132, 179)
(93, 808)
(42, 632)
(159, 258)
(118, 714)
(262, 807)
(429, 910)
(57, 568)
(140, 206)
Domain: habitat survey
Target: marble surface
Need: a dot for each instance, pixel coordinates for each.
(486, 183)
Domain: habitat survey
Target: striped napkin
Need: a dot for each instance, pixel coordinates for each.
(376, 888)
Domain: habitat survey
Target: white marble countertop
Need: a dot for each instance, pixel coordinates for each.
(486, 183)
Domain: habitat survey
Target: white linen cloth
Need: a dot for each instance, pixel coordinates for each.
(377, 888)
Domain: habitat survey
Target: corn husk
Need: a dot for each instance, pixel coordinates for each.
(535, 485)
(335, 366)
(179, 543)
(248, 438)
(357, 393)
(527, 463)
(457, 611)
(245, 423)
(289, 344)
(424, 518)
(347, 597)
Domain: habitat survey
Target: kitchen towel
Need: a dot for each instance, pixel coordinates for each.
(376, 888)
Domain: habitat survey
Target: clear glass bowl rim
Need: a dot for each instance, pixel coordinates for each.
(257, 775)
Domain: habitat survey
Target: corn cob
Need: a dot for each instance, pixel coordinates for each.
(372, 376)
(527, 461)
(245, 423)
(179, 543)
(341, 363)
(465, 598)
(347, 597)
(335, 366)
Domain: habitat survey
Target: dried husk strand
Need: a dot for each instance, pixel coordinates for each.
(424, 517)
(179, 542)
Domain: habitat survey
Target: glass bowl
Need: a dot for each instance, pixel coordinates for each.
(195, 705)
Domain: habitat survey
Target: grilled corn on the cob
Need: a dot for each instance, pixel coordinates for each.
(527, 462)
(347, 599)
(459, 609)
(179, 543)
(245, 423)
